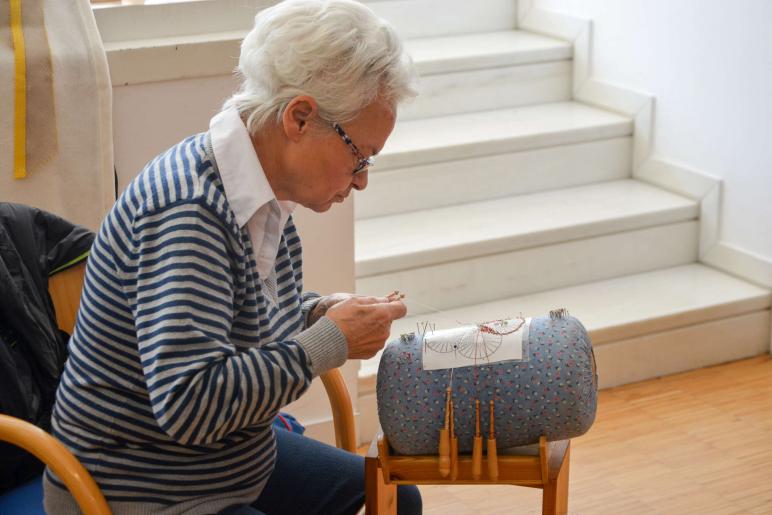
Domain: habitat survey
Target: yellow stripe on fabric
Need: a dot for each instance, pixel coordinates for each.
(20, 94)
(70, 263)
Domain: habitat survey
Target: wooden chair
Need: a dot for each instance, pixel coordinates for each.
(65, 288)
(548, 470)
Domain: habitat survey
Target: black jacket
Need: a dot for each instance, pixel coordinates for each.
(33, 244)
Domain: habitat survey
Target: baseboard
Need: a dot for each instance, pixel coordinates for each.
(561, 26)
(637, 105)
(740, 262)
(691, 183)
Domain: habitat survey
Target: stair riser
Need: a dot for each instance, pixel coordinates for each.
(496, 176)
(486, 278)
(481, 51)
(409, 17)
(452, 152)
(686, 348)
(373, 264)
(482, 90)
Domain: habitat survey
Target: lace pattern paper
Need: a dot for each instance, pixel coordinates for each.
(473, 345)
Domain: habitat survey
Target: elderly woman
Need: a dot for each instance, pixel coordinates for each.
(193, 328)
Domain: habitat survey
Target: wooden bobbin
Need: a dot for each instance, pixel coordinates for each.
(477, 444)
(444, 447)
(493, 459)
(453, 445)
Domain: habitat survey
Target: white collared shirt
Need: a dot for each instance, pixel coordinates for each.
(248, 191)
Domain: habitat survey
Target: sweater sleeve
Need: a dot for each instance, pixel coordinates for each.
(201, 387)
(309, 301)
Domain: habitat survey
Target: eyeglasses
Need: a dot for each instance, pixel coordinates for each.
(362, 162)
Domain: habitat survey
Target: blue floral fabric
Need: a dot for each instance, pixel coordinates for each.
(551, 392)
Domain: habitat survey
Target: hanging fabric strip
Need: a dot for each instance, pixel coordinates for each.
(20, 94)
(60, 136)
(42, 138)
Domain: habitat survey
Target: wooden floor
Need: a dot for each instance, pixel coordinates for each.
(693, 443)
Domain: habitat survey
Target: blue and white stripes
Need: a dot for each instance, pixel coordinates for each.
(182, 356)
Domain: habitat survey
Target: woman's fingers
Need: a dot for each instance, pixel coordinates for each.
(395, 295)
(367, 300)
(366, 322)
(395, 308)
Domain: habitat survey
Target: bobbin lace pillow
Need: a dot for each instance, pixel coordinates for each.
(552, 391)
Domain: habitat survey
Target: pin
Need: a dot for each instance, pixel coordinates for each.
(395, 295)
(558, 313)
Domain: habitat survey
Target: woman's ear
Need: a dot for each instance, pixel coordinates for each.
(298, 115)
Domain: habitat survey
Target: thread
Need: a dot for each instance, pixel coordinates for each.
(444, 314)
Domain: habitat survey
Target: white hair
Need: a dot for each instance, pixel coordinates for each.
(336, 51)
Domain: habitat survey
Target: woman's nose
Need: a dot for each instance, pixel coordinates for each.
(359, 181)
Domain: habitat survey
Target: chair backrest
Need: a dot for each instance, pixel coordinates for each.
(64, 288)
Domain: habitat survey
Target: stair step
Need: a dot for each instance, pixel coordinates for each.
(492, 88)
(485, 50)
(409, 17)
(658, 309)
(434, 18)
(624, 307)
(484, 71)
(415, 239)
(460, 136)
(560, 265)
(490, 177)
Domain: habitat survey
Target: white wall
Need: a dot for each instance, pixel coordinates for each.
(709, 65)
(148, 118)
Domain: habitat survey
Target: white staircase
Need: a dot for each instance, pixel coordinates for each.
(497, 195)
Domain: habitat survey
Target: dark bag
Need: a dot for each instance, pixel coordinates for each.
(33, 245)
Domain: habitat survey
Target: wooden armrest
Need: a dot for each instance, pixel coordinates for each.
(51, 452)
(342, 412)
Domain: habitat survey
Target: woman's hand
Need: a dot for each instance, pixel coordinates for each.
(365, 321)
(326, 303)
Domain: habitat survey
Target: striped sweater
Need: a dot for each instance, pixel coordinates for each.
(181, 355)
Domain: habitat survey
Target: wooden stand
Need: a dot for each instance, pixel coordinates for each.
(548, 471)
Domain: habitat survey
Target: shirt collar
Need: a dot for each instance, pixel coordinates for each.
(243, 178)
